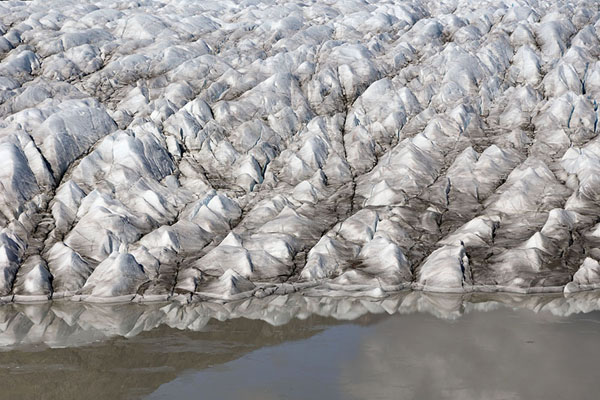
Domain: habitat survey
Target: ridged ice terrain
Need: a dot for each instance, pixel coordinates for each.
(223, 149)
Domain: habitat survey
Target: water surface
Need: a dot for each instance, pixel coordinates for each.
(404, 347)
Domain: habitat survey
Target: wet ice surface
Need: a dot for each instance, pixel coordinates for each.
(410, 345)
(233, 149)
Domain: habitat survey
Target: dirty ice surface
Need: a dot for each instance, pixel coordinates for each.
(233, 149)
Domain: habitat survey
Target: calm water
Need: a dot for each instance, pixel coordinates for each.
(405, 347)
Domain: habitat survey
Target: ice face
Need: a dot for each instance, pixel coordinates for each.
(225, 150)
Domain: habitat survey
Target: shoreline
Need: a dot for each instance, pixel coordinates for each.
(308, 290)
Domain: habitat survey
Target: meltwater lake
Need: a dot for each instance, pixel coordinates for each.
(406, 346)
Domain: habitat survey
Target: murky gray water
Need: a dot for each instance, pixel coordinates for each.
(405, 347)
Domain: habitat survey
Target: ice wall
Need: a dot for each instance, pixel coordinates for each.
(219, 149)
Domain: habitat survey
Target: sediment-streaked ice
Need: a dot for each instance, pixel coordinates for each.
(226, 150)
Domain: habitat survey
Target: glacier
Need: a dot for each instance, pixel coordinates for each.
(225, 150)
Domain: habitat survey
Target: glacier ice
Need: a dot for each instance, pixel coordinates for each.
(222, 150)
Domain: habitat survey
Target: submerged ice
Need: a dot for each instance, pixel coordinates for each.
(231, 149)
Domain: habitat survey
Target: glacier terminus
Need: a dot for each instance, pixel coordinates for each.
(221, 150)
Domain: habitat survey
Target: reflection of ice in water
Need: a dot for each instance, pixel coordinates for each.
(61, 324)
(499, 354)
(503, 354)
